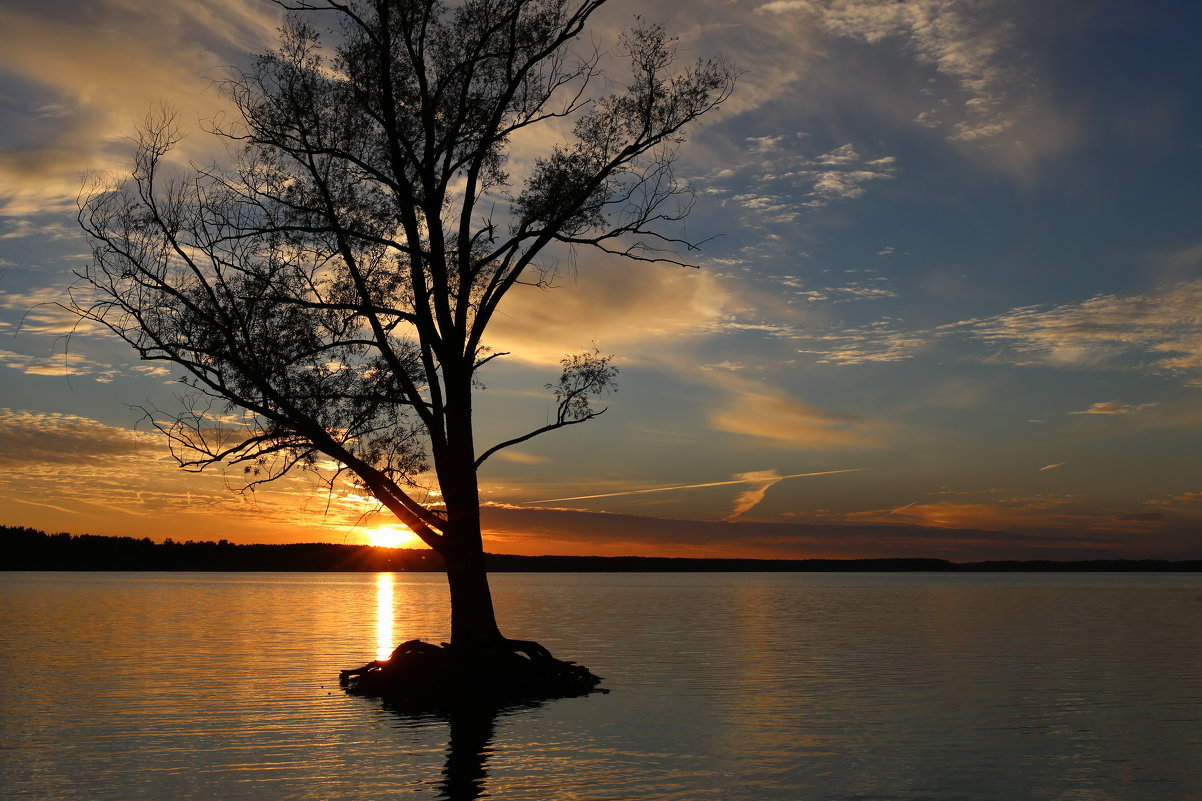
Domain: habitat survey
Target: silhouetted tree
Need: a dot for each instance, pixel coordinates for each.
(327, 292)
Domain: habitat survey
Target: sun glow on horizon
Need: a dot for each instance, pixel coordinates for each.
(394, 536)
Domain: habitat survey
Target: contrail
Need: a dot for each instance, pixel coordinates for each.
(694, 486)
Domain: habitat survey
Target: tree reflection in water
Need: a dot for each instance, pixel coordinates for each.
(472, 729)
(467, 754)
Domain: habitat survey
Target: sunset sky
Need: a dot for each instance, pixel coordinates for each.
(951, 307)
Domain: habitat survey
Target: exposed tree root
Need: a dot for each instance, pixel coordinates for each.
(420, 674)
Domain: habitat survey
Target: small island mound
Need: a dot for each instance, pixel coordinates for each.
(424, 675)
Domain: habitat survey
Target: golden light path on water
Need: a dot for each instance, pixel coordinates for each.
(384, 596)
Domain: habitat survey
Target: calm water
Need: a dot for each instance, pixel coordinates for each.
(798, 687)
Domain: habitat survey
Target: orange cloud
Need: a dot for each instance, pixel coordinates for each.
(571, 532)
(1186, 499)
(1115, 407)
(1041, 513)
(773, 417)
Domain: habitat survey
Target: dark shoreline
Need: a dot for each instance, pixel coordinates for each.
(29, 549)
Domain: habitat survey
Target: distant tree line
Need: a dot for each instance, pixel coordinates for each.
(23, 548)
(30, 549)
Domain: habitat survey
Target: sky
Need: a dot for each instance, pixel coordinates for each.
(949, 303)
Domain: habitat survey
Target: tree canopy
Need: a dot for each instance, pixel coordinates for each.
(328, 290)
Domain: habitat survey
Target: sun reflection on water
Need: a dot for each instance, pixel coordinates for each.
(384, 613)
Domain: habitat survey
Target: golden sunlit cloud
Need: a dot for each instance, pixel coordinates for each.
(617, 304)
(1158, 331)
(111, 61)
(774, 418)
(521, 457)
(761, 481)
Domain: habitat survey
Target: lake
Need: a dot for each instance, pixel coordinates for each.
(765, 687)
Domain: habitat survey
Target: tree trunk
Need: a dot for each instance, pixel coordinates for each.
(473, 621)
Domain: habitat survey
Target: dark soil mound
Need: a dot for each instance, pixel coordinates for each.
(420, 674)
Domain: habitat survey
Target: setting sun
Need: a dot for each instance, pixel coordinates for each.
(392, 537)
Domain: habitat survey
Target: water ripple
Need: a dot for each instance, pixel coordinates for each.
(765, 687)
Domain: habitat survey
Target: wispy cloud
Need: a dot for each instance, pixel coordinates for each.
(961, 39)
(1116, 407)
(787, 181)
(982, 89)
(760, 482)
(1187, 499)
(774, 418)
(39, 310)
(38, 437)
(520, 457)
(1055, 466)
(63, 364)
(882, 341)
(1160, 331)
(1023, 513)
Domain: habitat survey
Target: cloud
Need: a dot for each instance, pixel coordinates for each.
(1047, 467)
(871, 287)
(877, 342)
(560, 531)
(520, 457)
(731, 365)
(846, 185)
(1187, 499)
(64, 364)
(1115, 407)
(1044, 514)
(96, 69)
(959, 38)
(981, 91)
(787, 180)
(622, 306)
(608, 301)
(1160, 331)
(1141, 517)
(774, 418)
(43, 438)
(43, 230)
(41, 312)
(761, 481)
